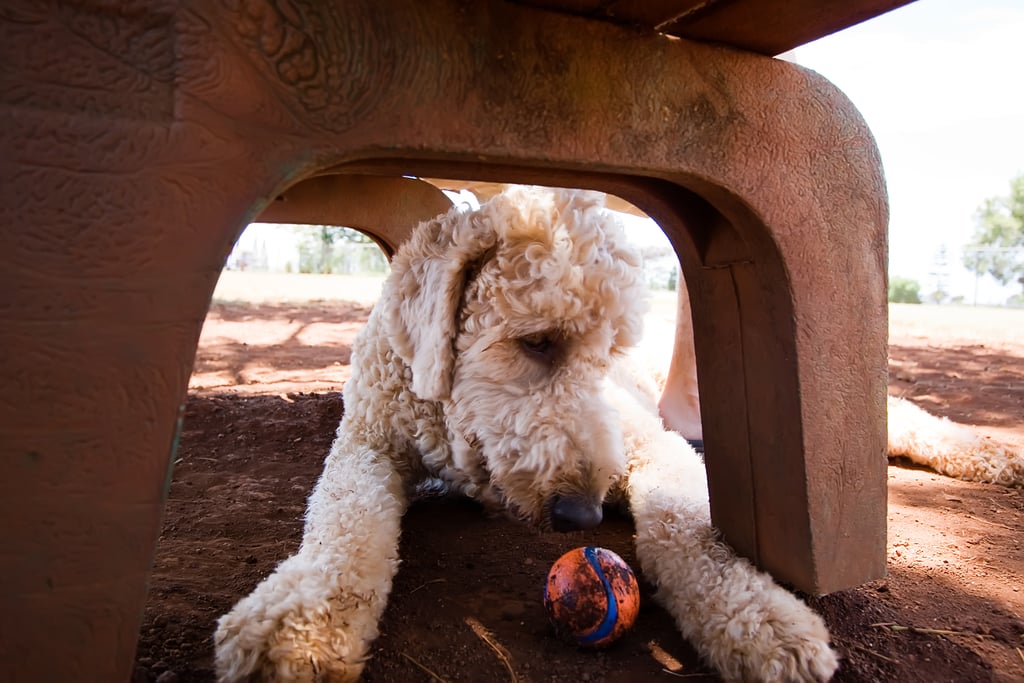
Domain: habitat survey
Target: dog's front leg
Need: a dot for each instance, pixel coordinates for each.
(737, 617)
(315, 617)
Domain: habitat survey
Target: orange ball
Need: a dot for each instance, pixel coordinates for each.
(591, 596)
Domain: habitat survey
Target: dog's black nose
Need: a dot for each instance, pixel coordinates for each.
(574, 514)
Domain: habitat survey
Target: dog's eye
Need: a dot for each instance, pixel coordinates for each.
(546, 347)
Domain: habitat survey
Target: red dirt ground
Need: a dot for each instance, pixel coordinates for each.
(261, 414)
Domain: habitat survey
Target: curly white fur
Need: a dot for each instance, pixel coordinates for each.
(944, 446)
(496, 361)
(950, 448)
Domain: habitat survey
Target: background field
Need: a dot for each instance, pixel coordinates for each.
(966, 323)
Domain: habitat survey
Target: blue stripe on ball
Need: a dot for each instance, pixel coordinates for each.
(611, 616)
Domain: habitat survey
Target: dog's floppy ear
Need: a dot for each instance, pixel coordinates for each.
(428, 276)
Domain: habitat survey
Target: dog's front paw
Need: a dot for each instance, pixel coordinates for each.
(781, 643)
(742, 622)
(301, 647)
(291, 628)
(760, 632)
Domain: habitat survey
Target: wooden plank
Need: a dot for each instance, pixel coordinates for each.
(768, 27)
(771, 27)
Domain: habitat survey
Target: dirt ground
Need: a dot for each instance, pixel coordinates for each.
(262, 411)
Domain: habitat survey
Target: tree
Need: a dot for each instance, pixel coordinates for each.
(317, 249)
(903, 290)
(997, 248)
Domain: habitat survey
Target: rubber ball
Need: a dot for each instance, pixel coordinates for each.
(591, 596)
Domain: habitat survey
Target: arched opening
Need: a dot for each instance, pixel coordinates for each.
(385, 208)
(231, 521)
(740, 295)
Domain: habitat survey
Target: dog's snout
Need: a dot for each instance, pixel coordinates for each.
(570, 513)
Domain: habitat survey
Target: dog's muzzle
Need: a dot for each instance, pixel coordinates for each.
(570, 513)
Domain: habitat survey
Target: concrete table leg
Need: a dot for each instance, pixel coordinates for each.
(137, 141)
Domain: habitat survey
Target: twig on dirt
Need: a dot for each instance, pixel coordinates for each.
(663, 657)
(893, 626)
(858, 646)
(1020, 653)
(987, 521)
(481, 631)
(422, 668)
(869, 651)
(669, 664)
(679, 675)
(1008, 508)
(442, 580)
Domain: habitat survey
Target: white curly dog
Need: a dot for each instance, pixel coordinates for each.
(497, 361)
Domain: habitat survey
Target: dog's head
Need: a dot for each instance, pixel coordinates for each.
(511, 316)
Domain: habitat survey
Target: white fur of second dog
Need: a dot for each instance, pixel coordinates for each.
(935, 442)
(496, 361)
(947, 447)
(950, 448)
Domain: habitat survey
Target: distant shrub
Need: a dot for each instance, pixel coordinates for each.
(903, 290)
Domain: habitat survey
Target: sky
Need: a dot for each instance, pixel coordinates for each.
(939, 82)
